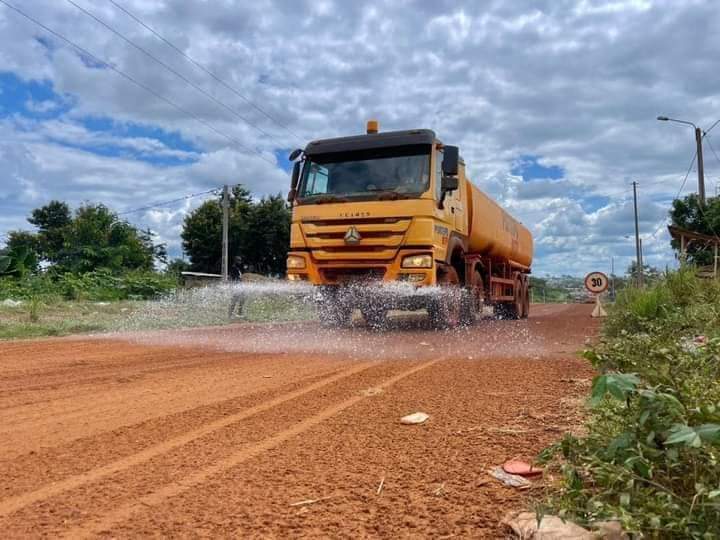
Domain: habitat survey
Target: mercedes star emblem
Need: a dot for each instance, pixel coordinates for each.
(352, 236)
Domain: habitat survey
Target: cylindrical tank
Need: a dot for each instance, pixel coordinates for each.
(492, 231)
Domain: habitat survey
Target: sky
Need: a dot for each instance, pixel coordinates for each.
(552, 103)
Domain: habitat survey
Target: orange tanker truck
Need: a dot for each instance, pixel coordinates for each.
(398, 207)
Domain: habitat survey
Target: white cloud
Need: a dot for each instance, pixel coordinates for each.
(576, 83)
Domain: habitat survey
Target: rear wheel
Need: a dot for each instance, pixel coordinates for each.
(513, 310)
(446, 310)
(526, 297)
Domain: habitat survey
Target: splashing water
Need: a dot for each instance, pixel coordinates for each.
(281, 317)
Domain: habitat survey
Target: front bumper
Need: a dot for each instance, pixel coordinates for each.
(343, 273)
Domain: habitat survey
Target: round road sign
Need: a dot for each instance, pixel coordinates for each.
(596, 282)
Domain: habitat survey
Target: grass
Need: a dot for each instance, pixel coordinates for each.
(52, 316)
(35, 318)
(651, 456)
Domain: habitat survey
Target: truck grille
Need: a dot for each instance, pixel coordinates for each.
(352, 275)
(379, 238)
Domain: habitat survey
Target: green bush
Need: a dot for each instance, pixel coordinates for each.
(99, 286)
(651, 457)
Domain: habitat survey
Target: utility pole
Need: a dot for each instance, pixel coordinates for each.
(698, 143)
(612, 277)
(638, 256)
(225, 203)
(700, 165)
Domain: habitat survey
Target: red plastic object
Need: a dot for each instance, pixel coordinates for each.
(521, 468)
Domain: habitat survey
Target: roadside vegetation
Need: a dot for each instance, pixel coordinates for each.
(87, 269)
(650, 457)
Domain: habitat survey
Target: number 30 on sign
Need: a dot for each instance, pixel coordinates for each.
(596, 282)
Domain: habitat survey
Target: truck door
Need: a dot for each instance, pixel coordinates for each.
(458, 203)
(448, 212)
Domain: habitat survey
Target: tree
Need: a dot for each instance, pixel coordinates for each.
(259, 233)
(51, 221)
(176, 267)
(24, 248)
(202, 237)
(688, 214)
(266, 249)
(650, 273)
(96, 238)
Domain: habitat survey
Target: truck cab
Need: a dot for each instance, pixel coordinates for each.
(369, 207)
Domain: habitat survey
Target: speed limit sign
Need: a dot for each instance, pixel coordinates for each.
(596, 282)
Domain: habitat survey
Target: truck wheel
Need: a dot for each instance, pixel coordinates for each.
(446, 310)
(526, 298)
(333, 311)
(375, 318)
(471, 301)
(502, 311)
(517, 306)
(514, 309)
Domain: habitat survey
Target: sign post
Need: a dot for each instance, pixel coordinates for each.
(597, 283)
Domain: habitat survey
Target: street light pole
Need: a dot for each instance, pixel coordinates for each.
(698, 143)
(700, 165)
(225, 203)
(638, 256)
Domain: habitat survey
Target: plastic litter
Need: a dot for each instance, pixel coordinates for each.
(525, 525)
(521, 468)
(512, 480)
(415, 418)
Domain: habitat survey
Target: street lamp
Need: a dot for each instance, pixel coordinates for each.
(698, 141)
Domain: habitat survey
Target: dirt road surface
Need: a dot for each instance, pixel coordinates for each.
(285, 430)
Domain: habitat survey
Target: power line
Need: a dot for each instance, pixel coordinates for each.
(107, 65)
(713, 150)
(203, 68)
(172, 201)
(173, 71)
(692, 162)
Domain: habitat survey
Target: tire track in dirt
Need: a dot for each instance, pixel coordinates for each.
(13, 504)
(126, 511)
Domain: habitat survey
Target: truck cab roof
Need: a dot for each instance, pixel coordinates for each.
(371, 140)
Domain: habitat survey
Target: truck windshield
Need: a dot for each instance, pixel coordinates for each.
(400, 172)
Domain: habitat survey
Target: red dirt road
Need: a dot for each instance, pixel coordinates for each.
(221, 432)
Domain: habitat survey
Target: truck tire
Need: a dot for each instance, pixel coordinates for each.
(332, 311)
(526, 297)
(446, 310)
(375, 317)
(333, 316)
(512, 310)
(472, 301)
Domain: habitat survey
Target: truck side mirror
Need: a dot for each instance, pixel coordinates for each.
(451, 159)
(448, 183)
(294, 182)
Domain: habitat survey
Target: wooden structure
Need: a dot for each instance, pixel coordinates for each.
(686, 237)
(198, 279)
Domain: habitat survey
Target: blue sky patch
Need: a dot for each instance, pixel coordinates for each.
(594, 202)
(530, 169)
(107, 125)
(282, 159)
(32, 99)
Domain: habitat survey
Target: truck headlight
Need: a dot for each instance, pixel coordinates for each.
(295, 262)
(417, 261)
